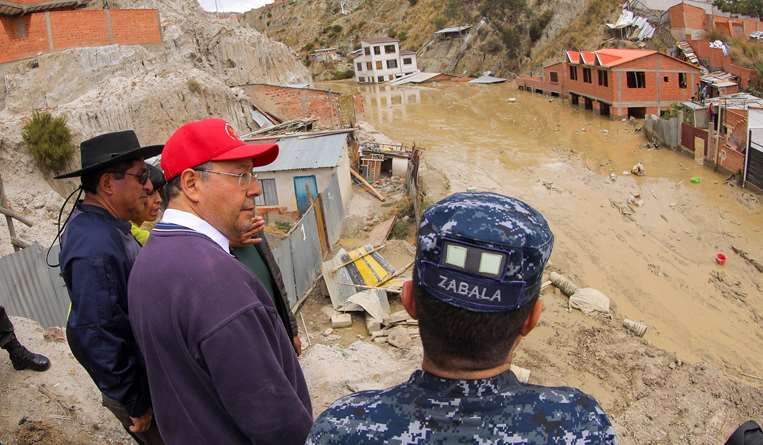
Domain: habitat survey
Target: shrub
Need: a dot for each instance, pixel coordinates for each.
(439, 22)
(402, 36)
(400, 230)
(194, 86)
(283, 226)
(491, 46)
(413, 2)
(343, 74)
(392, 33)
(49, 140)
(539, 25)
(511, 39)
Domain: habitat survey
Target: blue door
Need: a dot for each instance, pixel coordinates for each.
(301, 185)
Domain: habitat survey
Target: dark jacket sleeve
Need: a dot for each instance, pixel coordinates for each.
(244, 358)
(100, 337)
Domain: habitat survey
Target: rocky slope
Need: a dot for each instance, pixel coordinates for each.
(507, 36)
(191, 75)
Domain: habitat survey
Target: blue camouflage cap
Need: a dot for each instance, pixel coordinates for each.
(483, 252)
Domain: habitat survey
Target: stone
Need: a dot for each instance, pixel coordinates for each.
(341, 321)
(328, 332)
(399, 337)
(54, 334)
(373, 324)
(395, 318)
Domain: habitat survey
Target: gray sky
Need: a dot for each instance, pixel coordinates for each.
(233, 5)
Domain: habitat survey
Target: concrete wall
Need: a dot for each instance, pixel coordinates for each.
(37, 33)
(666, 132)
(297, 103)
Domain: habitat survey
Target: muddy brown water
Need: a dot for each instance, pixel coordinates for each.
(655, 261)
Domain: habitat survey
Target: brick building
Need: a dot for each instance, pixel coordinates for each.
(689, 22)
(381, 60)
(287, 103)
(618, 82)
(33, 27)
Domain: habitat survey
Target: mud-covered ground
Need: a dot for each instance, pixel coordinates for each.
(648, 242)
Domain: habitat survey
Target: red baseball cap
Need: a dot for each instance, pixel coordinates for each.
(210, 140)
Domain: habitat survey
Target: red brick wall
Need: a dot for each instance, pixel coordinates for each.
(22, 37)
(27, 36)
(72, 29)
(135, 26)
(736, 125)
(668, 91)
(297, 103)
(591, 89)
(716, 60)
(730, 159)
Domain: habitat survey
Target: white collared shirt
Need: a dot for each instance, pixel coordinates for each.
(193, 222)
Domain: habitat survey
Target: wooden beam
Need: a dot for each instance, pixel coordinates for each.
(13, 214)
(367, 186)
(365, 254)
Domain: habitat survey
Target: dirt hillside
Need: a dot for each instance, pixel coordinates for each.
(193, 74)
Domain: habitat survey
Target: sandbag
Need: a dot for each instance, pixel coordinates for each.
(590, 300)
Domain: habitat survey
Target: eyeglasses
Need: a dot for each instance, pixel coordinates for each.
(244, 179)
(142, 176)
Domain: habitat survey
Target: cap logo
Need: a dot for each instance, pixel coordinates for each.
(468, 290)
(231, 132)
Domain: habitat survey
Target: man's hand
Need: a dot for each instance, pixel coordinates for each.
(251, 235)
(143, 423)
(297, 345)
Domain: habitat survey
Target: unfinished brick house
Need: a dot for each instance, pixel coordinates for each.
(34, 27)
(618, 82)
(689, 22)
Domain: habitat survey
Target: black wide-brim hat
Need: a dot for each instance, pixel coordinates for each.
(109, 149)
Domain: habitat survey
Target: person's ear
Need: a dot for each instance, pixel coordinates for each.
(190, 184)
(106, 184)
(406, 297)
(533, 318)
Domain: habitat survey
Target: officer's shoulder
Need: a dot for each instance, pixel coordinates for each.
(560, 398)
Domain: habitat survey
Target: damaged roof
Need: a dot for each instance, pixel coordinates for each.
(373, 40)
(720, 79)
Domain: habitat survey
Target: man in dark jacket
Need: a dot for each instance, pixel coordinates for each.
(220, 362)
(21, 357)
(253, 251)
(97, 254)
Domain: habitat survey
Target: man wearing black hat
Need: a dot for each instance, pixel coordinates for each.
(97, 254)
(475, 292)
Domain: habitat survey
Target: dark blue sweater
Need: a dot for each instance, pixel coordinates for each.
(220, 364)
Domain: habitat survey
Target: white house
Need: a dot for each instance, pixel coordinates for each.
(305, 163)
(382, 60)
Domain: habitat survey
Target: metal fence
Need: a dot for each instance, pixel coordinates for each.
(31, 289)
(333, 210)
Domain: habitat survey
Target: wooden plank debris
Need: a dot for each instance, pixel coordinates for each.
(367, 186)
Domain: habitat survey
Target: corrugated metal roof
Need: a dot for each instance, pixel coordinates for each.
(300, 152)
(484, 79)
(414, 78)
(453, 29)
(719, 79)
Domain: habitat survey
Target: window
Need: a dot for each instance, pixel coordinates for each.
(360, 66)
(636, 79)
(391, 63)
(377, 50)
(367, 50)
(587, 75)
(554, 77)
(682, 80)
(666, 79)
(603, 78)
(380, 79)
(369, 67)
(573, 73)
(269, 196)
(408, 61)
(389, 49)
(379, 65)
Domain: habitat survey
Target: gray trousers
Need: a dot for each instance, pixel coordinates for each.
(6, 328)
(150, 437)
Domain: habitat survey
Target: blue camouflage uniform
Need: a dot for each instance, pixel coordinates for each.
(481, 252)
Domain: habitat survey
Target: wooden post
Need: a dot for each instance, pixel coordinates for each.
(5, 209)
(320, 221)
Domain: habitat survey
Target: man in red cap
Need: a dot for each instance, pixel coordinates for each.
(221, 366)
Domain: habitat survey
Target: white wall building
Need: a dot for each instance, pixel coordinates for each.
(381, 60)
